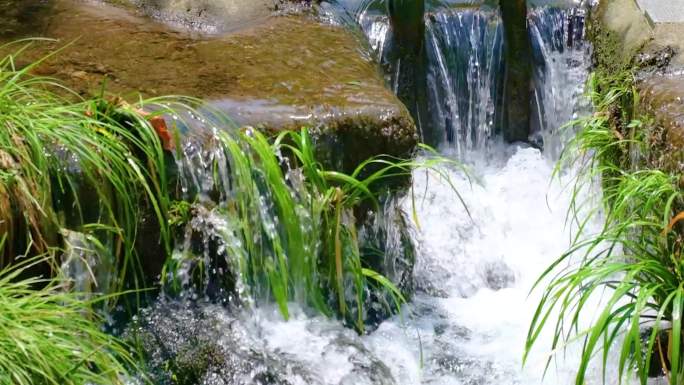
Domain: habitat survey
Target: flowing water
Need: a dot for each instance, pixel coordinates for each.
(467, 322)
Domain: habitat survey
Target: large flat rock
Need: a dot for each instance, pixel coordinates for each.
(281, 73)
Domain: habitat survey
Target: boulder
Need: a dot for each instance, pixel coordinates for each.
(629, 33)
(186, 344)
(279, 73)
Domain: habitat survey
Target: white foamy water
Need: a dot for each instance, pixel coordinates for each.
(476, 274)
(468, 321)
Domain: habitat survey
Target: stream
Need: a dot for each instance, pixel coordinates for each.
(468, 320)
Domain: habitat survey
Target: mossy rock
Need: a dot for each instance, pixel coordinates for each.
(280, 73)
(619, 31)
(625, 41)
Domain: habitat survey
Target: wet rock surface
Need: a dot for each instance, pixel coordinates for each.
(189, 343)
(277, 73)
(663, 98)
(18, 17)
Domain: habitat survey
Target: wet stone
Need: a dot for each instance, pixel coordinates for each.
(192, 345)
(663, 98)
(498, 275)
(277, 73)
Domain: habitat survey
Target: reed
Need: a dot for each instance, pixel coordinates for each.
(51, 336)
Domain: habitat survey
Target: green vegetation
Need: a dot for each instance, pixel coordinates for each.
(294, 236)
(51, 336)
(79, 166)
(74, 177)
(634, 263)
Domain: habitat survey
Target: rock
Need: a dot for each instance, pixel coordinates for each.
(22, 16)
(79, 75)
(191, 345)
(200, 344)
(626, 33)
(662, 96)
(279, 74)
(498, 275)
(213, 16)
(619, 30)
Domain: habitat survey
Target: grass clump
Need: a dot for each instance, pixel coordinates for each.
(633, 264)
(290, 224)
(85, 166)
(51, 336)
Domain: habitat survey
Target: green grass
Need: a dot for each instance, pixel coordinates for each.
(634, 263)
(51, 336)
(66, 163)
(294, 237)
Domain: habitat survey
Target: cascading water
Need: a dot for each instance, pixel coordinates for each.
(464, 48)
(561, 60)
(467, 322)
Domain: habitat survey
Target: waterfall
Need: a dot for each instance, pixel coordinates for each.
(468, 319)
(464, 48)
(562, 58)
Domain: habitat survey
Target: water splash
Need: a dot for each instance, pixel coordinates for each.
(468, 321)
